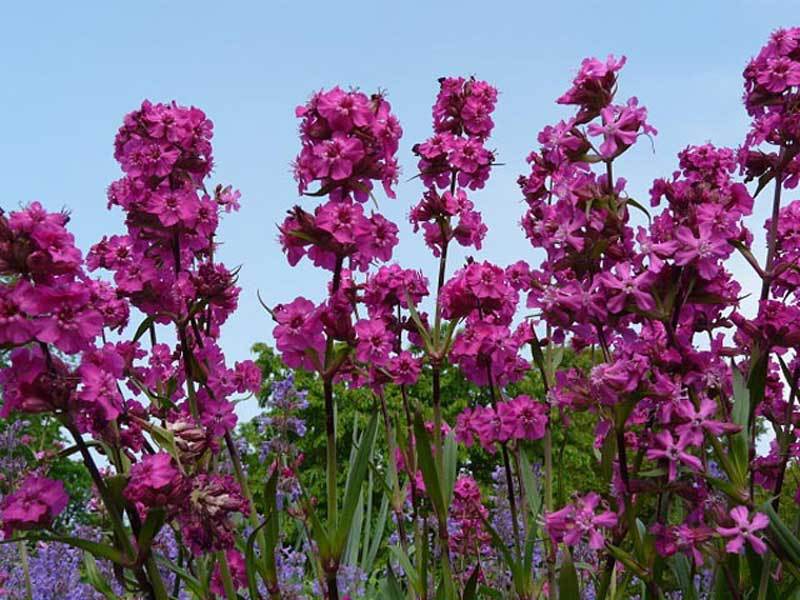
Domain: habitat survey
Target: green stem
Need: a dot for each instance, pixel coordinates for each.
(26, 570)
(159, 589)
(330, 429)
(227, 579)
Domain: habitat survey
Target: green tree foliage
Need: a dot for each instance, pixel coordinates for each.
(574, 444)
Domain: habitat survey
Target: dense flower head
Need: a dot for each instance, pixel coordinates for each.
(348, 140)
(155, 481)
(447, 157)
(164, 263)
(520, 418)
(488, 353)
(594, 86)
(771, 94)
(36, 243)
(47, 296)
(31, 384)
(435, 213)
(479, 289)
(206, 516)
(787, 250)
(392, 286)
(35, 504)
(468, 533)
(335, 231)
(455, 159)
(464, 106)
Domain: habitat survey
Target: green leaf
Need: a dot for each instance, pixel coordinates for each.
(189, 580)
(143, 327)
(251, 564)
(271, 531)
(423, 331)
(450, 464)
(152, 525)
(355, 478)
(427, 465)
(377, 536)
(471, 588)
(96, 579)
(529, 482)
(390, 589)
(760, 574)
(97, 549)
(568, 587)
(637, 204)
(783, 535)
(411, 573)
(627, 560)
(740, 443)
(350, 556)
(683, 574)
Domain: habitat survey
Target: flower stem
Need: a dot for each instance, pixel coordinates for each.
(227, 580)
(26, 570)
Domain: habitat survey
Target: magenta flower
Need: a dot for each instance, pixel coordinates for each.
(624, 285)
(15, 327)
(36, 503)
(155, 481)
(66, 319)
(374, 341)
(298, 334)
(614, 132)
(336, 157)
(344, 110)
(529, 417)
(580, 519)
(705, 250)
(594, 86)
(404, 368)
(779, 74)
(674, 452)
(698, 421)
(744, 530)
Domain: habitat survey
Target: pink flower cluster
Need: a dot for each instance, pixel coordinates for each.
(48, 305)
(468, 535)
(203, 504)
(453, 159)
(348, 141)
(165, 263)
(772, 90)
(521, 418)
(485, 296)
(50, 299)
(164, 266)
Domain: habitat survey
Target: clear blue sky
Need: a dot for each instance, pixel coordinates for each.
(70, 73)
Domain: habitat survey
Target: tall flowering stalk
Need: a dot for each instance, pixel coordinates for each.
(348, 141)
(159, 415)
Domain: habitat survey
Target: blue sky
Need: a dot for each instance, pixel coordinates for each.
(71, 73)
